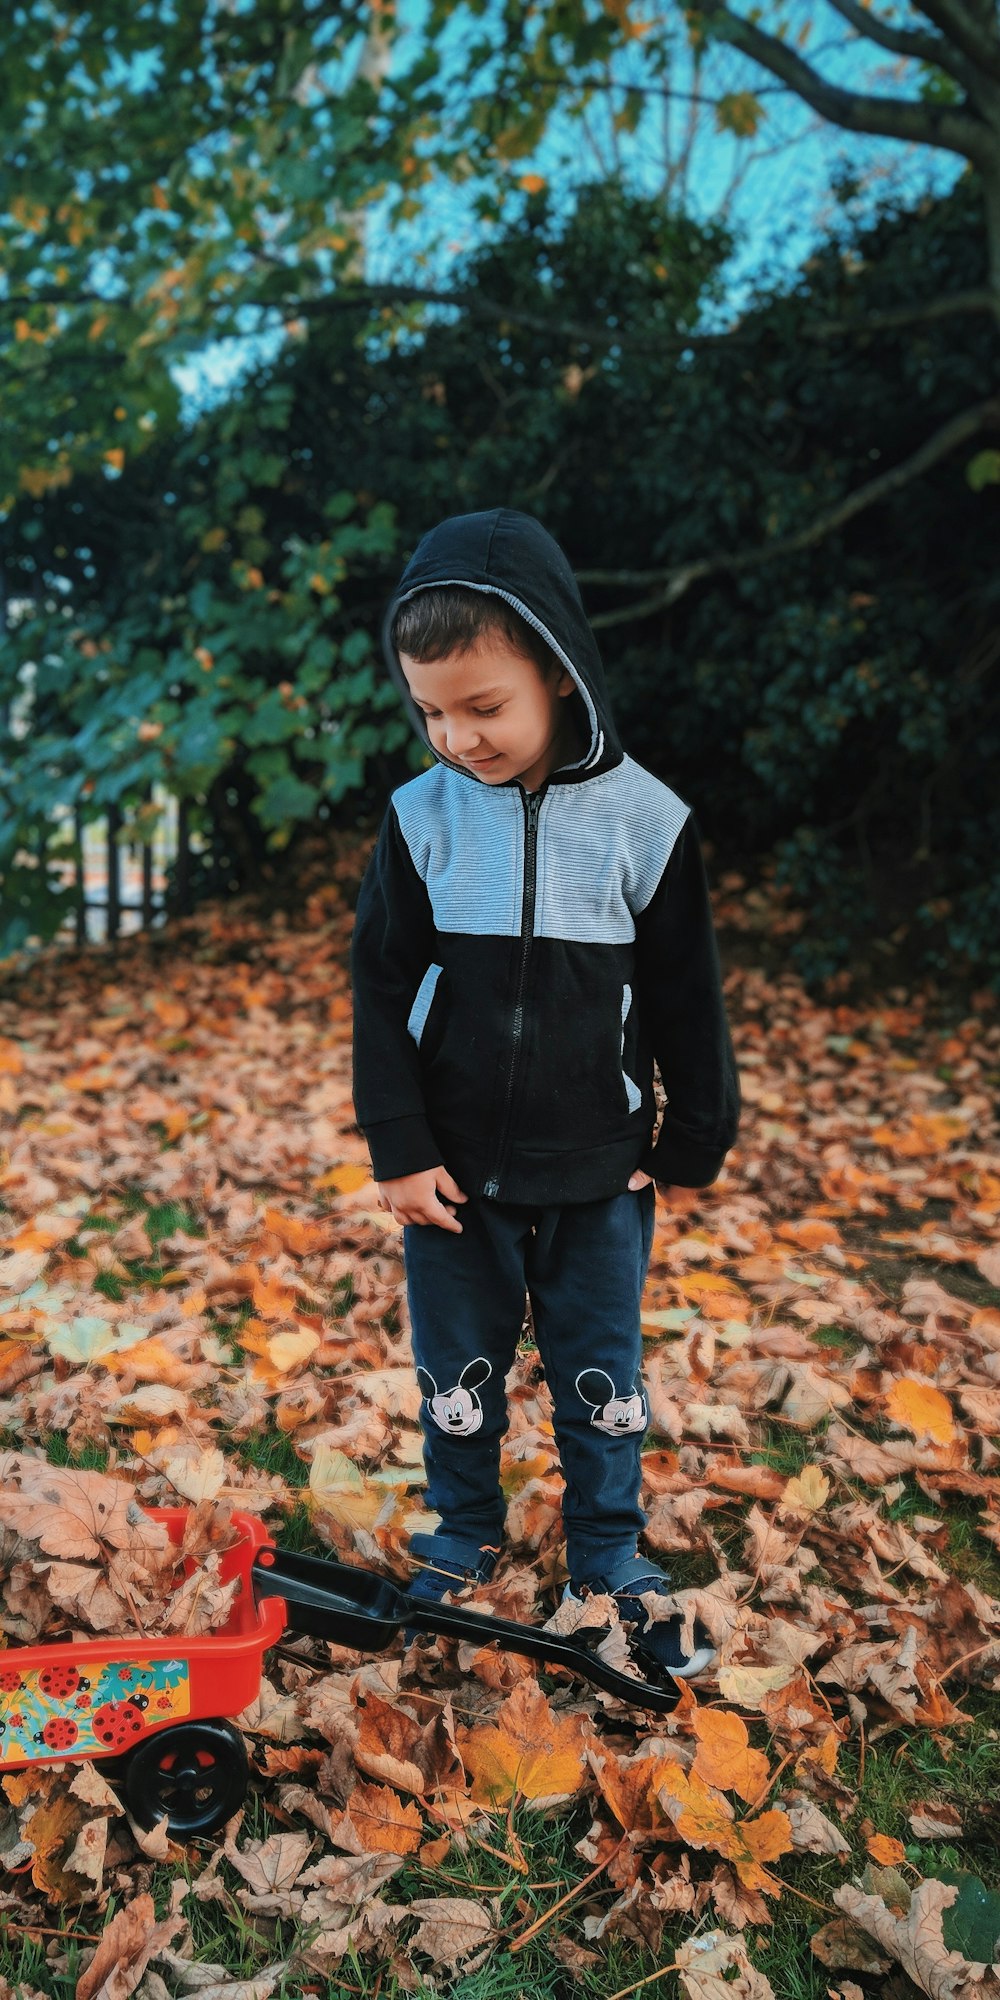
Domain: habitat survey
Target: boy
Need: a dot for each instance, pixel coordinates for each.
(532, 930)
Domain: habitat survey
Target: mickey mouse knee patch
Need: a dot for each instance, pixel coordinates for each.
(618, 1414)
(457, 1411)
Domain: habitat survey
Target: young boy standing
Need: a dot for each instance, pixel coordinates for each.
(532, 930)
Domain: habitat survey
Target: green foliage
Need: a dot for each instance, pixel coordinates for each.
(210, 618)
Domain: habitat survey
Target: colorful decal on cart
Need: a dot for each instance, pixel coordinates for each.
(84, 1711)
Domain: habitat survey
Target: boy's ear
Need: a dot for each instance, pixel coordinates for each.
(427, 1384)
(475, 1372)
(595, 1386)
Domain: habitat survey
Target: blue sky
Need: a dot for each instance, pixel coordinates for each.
(780, 210)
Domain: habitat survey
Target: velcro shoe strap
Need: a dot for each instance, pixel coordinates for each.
(454, 1555)
(631, 1573)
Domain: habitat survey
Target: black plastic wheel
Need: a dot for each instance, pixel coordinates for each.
(194, 1775)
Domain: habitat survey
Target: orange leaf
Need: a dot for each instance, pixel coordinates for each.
(886, 1851)
(922, 1409)
(272, 1299)
(724, 1757)
(297, 1234)
(704, 1818)
(384, 1825)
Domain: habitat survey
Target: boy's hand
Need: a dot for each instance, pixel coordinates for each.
(417, 1198)
(639, 1179)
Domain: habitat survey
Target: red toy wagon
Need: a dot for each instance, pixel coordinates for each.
(157, 1711)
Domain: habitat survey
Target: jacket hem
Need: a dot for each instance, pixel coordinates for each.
(586, 1173)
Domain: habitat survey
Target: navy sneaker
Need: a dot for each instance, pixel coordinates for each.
(447, 1562)
(656, 1640)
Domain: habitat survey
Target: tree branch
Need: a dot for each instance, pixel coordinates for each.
(904, 41)
(674, 583)
(358, 298)
(924, 124)
(975, 41)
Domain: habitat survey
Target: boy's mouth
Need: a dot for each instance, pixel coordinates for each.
(480, 763)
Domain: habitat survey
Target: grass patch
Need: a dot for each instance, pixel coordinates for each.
(91, 1457)
(273, 1451)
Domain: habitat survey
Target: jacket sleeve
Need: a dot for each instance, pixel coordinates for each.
(680, 993)
(392, 945)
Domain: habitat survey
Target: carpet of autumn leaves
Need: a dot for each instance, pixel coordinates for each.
(201, 1303)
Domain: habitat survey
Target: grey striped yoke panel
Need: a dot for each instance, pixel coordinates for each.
(602, 848)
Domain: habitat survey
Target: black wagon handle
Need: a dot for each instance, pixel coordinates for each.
(358, 1608)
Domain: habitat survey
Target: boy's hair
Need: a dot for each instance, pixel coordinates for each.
(448, 618)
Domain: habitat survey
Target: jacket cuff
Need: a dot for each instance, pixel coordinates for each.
(401, 1146)
(679, 1162)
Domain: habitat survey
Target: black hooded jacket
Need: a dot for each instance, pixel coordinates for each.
(520, 958)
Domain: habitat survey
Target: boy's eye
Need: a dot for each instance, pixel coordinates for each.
(488, 711)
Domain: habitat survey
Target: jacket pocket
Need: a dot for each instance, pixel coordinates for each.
(423, 1001)
(632, 1091)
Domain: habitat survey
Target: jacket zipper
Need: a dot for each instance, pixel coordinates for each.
(532, 805)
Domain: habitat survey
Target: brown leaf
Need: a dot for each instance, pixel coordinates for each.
(129, 1941)
(916, 1940)
(271, 1864)
(704, 1965)
(452, 1927)
(934, 1819)
(387, 1737)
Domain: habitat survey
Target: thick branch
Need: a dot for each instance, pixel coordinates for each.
(916, 43)
(674, 583)
(359, 298)
(921, 124)
(955, 20)
(902, 41)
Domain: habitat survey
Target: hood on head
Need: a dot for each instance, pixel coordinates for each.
(507, 552)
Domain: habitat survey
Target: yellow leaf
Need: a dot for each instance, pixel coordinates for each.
(286, 1350)
(527, 1750)
(922, 1409)
(337, 1488)
(807, 1492)
(346, 1177)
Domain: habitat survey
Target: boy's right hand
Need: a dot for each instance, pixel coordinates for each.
(416, 1198)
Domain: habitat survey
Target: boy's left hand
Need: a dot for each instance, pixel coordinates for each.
(639, 1179)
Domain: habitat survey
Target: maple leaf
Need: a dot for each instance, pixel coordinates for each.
(527, 1750)
(724, 1757)
(704, 1818)
(377, 1821)
(806, 1492)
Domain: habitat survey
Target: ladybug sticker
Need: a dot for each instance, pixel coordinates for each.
(59, 1733)
(116, 1724)
(65, 1709)
(60, 1682)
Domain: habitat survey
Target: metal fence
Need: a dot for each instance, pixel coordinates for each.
(121, 886)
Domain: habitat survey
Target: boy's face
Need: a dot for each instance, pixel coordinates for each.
(493, 711)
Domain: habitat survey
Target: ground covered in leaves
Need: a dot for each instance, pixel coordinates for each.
(202, 1306)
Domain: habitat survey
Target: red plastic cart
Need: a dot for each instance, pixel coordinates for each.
(157, 1711)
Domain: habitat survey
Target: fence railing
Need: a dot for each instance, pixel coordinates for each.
(121, 886)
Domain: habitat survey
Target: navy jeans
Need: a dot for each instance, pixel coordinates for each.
(583, 1265)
